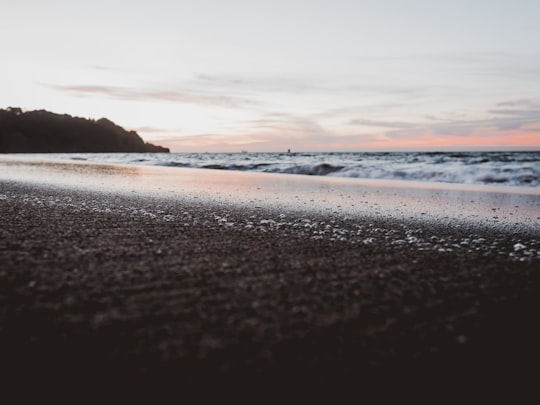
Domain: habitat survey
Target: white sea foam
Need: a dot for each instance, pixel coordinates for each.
(498, 168)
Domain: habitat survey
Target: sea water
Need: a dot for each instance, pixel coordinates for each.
(493, 168)
(478, 195)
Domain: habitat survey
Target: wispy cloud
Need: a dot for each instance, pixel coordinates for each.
(263, 141)
(106, 68)
(382, 124)
(302, 85)
(144, 94)
(269, 132)
(510, 118)
(274, 84)
(286, 123)
(516, 103)
(154, 130)
(528, 113)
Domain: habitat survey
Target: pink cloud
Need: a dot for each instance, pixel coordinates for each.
(484, 138)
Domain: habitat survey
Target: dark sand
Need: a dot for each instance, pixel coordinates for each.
(154, 296)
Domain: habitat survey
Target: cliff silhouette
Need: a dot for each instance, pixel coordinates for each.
(46, 132)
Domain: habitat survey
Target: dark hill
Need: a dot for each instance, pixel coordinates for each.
(43, 132)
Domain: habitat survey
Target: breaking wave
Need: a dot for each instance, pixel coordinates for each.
(499, 168)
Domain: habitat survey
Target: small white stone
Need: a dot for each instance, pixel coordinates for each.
(519, 246)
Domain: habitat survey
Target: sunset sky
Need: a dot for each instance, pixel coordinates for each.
(310, 75)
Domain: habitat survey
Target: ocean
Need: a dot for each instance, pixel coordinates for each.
(492, 168)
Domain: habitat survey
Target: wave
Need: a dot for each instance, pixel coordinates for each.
(473, 176)
(322, 169)
(496, 168)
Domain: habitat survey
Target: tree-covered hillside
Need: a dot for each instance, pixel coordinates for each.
(42, 132)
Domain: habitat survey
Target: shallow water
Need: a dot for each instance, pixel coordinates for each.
(491, 168)
(454, 204)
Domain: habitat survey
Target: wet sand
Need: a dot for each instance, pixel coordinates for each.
(153, 294)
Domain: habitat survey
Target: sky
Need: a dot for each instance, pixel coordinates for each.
(305, 75)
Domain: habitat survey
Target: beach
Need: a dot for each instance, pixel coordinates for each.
(166, 280)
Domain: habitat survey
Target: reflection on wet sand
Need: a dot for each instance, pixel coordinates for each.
(68, 167)
(72, 174)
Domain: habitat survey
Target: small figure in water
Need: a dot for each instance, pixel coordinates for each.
(288, 151)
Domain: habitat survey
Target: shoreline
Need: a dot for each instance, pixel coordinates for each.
(181, 294)
(506, 208)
